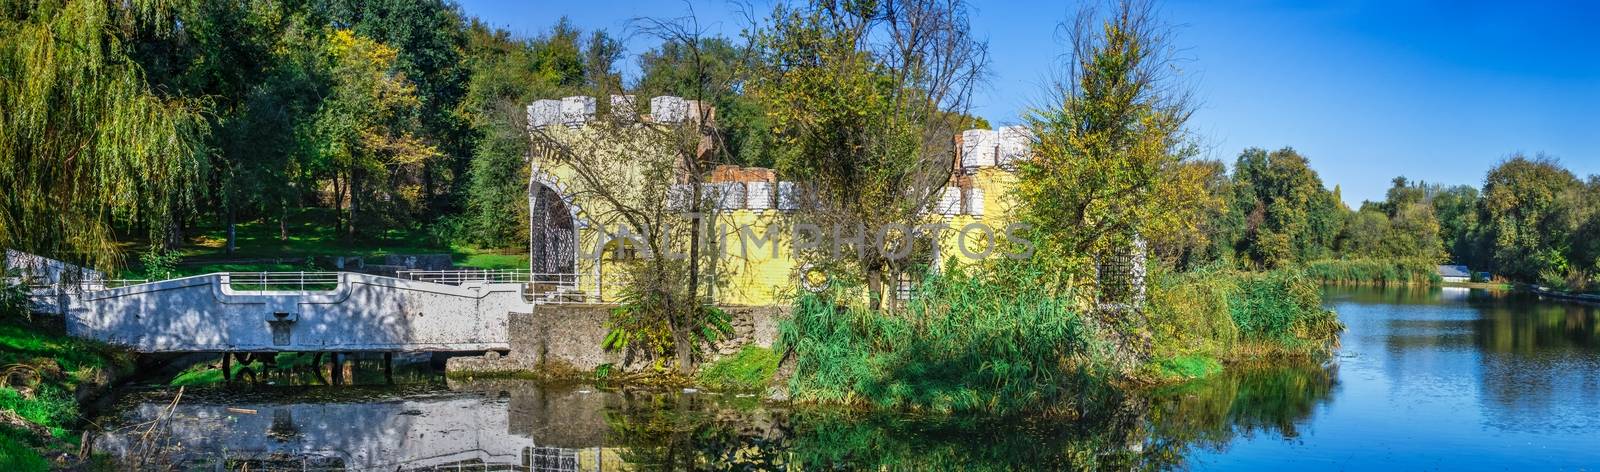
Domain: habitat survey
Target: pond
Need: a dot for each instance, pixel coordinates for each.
(1425, 379)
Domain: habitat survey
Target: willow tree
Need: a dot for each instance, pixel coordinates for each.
(864, 100)
(85, 145)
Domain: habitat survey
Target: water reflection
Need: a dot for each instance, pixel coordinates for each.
(520, 425)
(1425, 379)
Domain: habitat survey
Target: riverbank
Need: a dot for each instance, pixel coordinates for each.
(47, 379)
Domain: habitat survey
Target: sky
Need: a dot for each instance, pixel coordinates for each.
(1367, 90)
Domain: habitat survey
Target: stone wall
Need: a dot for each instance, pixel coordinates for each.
(558, 338)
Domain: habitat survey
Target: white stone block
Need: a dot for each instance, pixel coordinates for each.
(949, 201)
(624, 106)
(977, 148)
(669, 109)
(974, 202)
(577, 110)
(679, 195)
(1016, 143)
(758, 195)
(788, 198)
(544, 113)
(726, 195)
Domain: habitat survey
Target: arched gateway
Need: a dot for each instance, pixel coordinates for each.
(552, 229)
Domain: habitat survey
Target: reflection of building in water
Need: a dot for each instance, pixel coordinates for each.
(504, 425)
(1454, 294)
(466, 431)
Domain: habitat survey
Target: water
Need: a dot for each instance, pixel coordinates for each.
(1426, 379)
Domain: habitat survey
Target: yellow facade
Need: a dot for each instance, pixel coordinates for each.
(746, 274)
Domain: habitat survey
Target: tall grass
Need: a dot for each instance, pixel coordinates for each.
(1225, 314)
(1375, 271)
(961, 345)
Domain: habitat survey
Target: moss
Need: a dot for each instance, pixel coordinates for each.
(751, 369)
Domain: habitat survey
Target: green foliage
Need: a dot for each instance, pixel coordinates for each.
(1529, 211)
(85, 144)
(159, 264)
(1108, 159)
(1288, 216)
(13, 298)
(751, 369)
(962, 345)
(1394, 271)
(1223, 314)
(1283, 306)
(643, 322)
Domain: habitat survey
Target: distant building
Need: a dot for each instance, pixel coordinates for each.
(1455, 273)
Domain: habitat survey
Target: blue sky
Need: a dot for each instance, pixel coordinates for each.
(1368, 90)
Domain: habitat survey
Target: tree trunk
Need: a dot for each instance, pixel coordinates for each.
(232, 231)
(875, 288)
(355, 192)
(283, 225)
(338, 205)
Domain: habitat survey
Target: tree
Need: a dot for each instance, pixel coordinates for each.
(364, 131)
(85, 144)
(1289, 216)
(1455, 207)
(428, 37)
(1109, 163)
(861, 97)
(1527, 217)
(671, 69)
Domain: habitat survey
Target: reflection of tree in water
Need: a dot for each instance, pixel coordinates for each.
(1155, 431)
(1537, 360)
(669, 431)
(1243, 401)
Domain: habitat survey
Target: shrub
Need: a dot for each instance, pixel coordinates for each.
(962, 344)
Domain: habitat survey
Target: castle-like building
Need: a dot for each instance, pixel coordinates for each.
(574, 237)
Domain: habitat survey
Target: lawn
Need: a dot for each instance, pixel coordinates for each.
(311, 233)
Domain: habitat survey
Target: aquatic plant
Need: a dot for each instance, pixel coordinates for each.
(1375, 271)
(963, 343)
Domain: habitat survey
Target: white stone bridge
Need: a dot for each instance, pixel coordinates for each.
(303, 312)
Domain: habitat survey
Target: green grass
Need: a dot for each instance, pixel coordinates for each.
(311, 234)
(751, 369)
(1224, 314)
(43, 367)
(16, 452)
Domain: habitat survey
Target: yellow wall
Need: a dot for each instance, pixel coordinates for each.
(755, 277)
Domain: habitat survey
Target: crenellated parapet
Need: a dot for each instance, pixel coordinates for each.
(576, 111)
(983, 157)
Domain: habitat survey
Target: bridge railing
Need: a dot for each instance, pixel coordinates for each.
(281, 281)
(461, 276)
(538, 287)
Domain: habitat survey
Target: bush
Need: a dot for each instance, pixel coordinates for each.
(962, 344)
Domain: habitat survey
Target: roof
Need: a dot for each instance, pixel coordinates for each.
(1454, 271)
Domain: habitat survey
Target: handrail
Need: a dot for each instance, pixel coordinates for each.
(279, 281)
